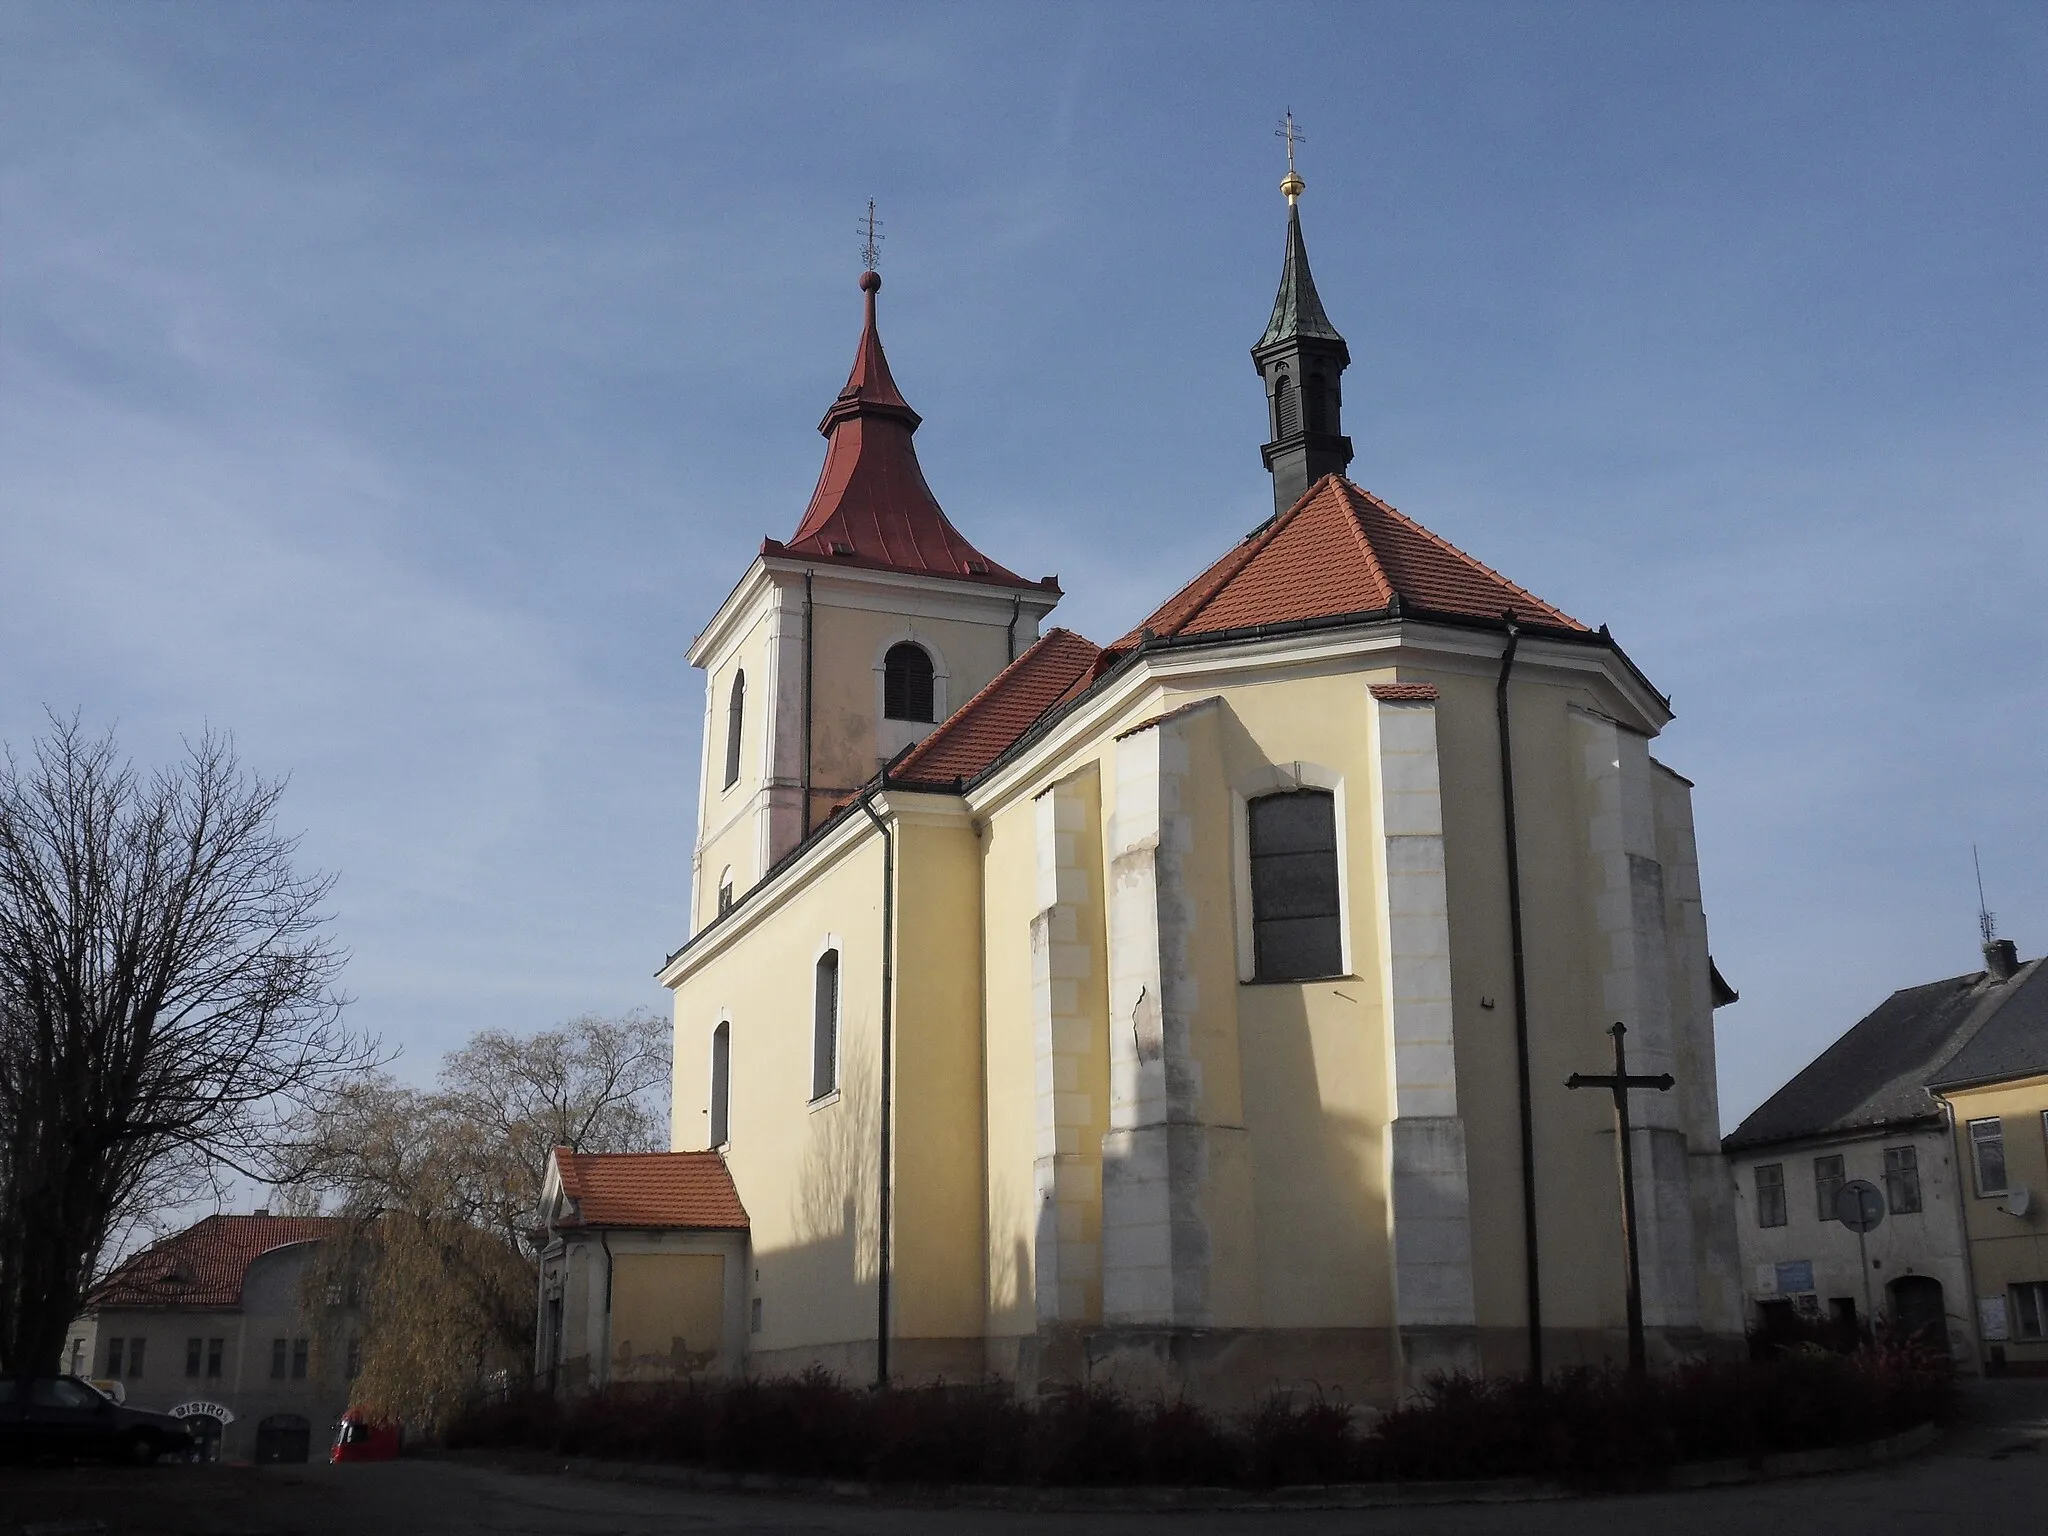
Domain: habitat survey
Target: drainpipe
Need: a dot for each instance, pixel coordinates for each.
(604, 1361)
(1966, 1174)
(1521, 981)
(1016, 607)
(807, 705)
(884, 1202)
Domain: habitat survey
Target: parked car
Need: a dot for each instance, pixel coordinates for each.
(65, 1417)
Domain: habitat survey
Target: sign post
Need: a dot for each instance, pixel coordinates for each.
(1619, 1083)
(1859, 1206)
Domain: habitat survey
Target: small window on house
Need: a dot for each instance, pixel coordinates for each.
(721, 1085)
(825, 1026)
(1297, 931)
(1987, 1153)
(2030, 1309)
(1902, 1180)
(1828, 1180)
(213, 1353)
(1286, 409)
(1770, 1194)
(135, 1358)
(278, 1355)
(192, 1348)
(114, 1350)
(906, 683)
(298, 1359)
(735, 712)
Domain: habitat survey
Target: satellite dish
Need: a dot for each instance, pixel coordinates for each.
(2018, 1200)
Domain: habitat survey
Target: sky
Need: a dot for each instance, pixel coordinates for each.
(401, 387)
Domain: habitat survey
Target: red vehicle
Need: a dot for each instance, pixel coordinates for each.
(361, 1439)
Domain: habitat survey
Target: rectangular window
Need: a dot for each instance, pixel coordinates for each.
(825, 1025)
(2030, 1310)
(114, 1348)
(1902, 1180)
(1828, 1180)
(721, 1085)
(298, 1359)
(135, 1358)
(1297, 931)
(213, 1352)
(1987, 1154)
(277, 1353)
(1770, 1194)
(192, 1357)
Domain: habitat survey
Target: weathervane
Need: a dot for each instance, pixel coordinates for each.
(1291, 184)
(870, 230)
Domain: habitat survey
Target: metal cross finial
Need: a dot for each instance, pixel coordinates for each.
(870, 230)
(1291, 132)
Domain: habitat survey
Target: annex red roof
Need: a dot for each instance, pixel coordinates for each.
(204, 1265)
(1403, 693)
(1341, 550)
(1060, 665)
(650, 1189)
(872, 506)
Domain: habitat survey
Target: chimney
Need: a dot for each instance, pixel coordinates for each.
(2001, 959)
(264, 1210)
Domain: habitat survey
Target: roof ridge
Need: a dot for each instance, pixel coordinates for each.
(1345, 492)
(1449, 548)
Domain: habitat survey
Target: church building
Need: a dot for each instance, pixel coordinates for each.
(1190, 1011)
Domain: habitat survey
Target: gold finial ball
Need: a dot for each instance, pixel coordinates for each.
(1291, 186)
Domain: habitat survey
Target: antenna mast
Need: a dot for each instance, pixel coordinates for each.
(1987, 920)
(870, 231)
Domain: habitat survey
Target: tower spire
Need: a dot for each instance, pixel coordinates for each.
(1301, 357)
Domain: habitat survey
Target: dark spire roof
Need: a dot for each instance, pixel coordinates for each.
(872, 506)
(1297, 308)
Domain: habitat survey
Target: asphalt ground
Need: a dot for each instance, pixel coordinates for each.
(1989, 1477)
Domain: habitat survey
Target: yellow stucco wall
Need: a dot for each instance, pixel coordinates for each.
(2007, 1250)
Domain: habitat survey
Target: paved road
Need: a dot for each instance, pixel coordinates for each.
(1989, 1479)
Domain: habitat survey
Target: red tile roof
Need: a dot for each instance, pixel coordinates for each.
(650, 1189)
(872, 506)
(1336, 551)
(1404, 693)
(204, 1265)
(1060, 665)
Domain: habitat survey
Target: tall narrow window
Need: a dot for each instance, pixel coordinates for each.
(825, 1026)
(1286, 409)
(906, 683)
(135, 1358)
(735, 712)
(1315, 395)
(1987, 1152)
(299, 1359)
(1828, 1180)
(114, 1347)
(278, 1349)
(1297, 932)
(192, 1357)
(1902, 1180)
(1770, 1194)
(721, 1085)
(213, 1353)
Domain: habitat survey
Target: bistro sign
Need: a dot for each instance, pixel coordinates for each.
(201, 1409)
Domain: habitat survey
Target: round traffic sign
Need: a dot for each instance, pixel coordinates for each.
(1859, 1205)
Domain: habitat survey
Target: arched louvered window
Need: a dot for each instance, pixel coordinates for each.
(721, 1085)
(1286, 409)
(1297, 929)
(1316, 394)
(735, 712)
(906, 683)
(825, 1026)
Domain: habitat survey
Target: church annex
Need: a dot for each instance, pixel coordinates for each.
(1190, 1011)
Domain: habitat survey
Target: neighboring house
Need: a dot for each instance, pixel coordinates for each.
(1996, 1090)
(211, 1324)
(643, 1272)
(1154, 1015)
(1867, 1108)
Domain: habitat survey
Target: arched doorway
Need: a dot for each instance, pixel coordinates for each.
(1918, 1308)
(205, 1437)
(283, 1437)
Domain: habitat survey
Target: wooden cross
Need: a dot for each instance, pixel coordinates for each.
(1619, 1082)
(871, 245)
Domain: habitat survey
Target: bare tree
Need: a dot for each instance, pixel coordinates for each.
(167, 996)
(441, 1190)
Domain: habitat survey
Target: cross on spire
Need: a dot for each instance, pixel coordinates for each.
(870, 231)
(1291, 184)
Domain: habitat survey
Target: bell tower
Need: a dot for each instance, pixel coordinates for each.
(1302, 359)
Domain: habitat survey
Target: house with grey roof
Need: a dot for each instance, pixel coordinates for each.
(1867, 1108)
